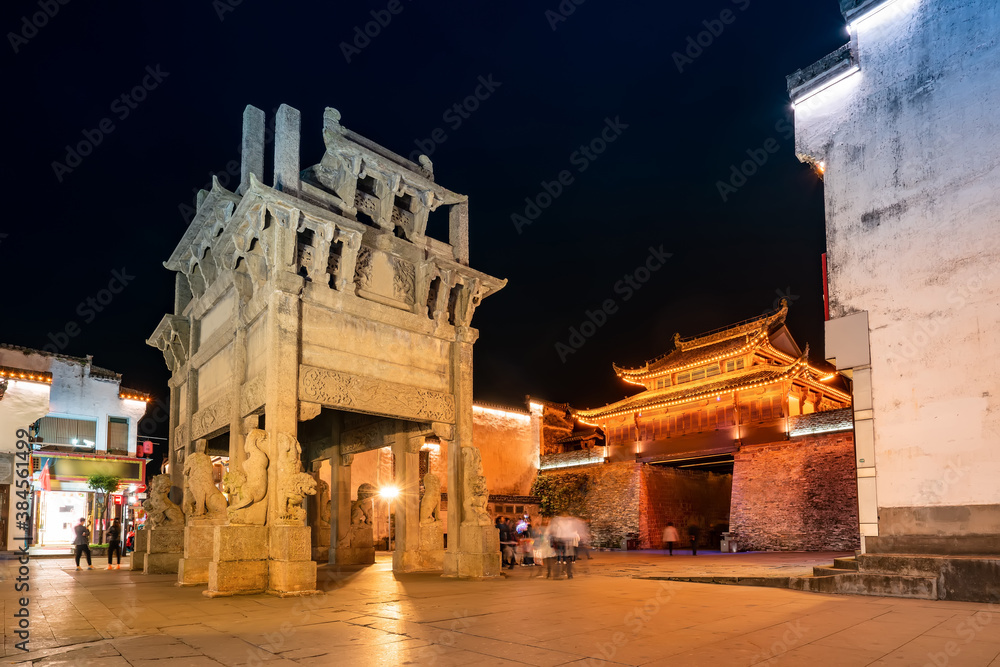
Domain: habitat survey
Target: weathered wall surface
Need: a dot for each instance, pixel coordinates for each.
(687, 498)
(912, 152)
(608, 496)
(796, 495)
(509, 450)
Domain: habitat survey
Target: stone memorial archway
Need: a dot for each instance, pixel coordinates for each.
(301, 302)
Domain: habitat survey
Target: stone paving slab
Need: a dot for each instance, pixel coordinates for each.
(604, 616)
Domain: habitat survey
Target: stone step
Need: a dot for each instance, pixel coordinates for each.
(866, 583)
(849, 563)
(826, 571)
(965, 578)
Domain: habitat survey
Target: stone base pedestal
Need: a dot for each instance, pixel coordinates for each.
(239, 561)
(192, 570)
(430, 555)
(139, 552)
(478, 553)
(355, 555)
(291, 569)
(321, 543)
(164, 549)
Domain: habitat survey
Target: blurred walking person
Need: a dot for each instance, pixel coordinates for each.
(81, 543)
(670, 536)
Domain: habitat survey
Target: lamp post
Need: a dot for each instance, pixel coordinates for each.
(388, 492)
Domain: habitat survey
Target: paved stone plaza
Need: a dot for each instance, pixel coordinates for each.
(602, 616)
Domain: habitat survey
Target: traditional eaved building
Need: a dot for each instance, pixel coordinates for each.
(714, 392)
(78, 421)
(735, 431)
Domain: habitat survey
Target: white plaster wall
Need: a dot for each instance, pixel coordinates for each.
(912, 152)
(23, 403)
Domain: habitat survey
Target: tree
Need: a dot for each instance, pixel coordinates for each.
(104, 485)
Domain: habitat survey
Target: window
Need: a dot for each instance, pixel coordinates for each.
(118, 435)
(663, 382)
(712, 370)
(683, 377)
(734, 365)
(80, 433)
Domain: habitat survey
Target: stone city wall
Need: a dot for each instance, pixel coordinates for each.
(796, 495)
(607, 496)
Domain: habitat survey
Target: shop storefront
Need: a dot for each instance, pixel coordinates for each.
(63, 497)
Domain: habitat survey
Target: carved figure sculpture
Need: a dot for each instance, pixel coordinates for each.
(161, 512)
(476, 493)
(201, 496)
(248, 487)
(323, 496)
(293, 484)
(430, 504)
(360, 532)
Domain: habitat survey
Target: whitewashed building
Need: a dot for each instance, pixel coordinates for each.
(79, 421)
(902, 125)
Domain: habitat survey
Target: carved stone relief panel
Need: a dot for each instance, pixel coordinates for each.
(212, 418)
(364, 394)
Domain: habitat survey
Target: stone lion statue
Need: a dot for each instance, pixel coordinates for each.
(293, 484)
(359, 533)
(430, 504)
(201, 496)
(161, 512)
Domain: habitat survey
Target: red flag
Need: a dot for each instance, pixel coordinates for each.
(44, 479)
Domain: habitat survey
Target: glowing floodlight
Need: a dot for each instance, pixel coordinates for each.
(389, 492)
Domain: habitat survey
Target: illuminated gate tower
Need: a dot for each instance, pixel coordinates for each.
(710, 401)
(315, 320)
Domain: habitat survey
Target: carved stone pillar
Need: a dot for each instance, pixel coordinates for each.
(351, 240)
(340, 504)
(320, 514)
(406, 450)
(476, 551)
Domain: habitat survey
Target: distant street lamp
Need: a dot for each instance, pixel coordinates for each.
(388, 492)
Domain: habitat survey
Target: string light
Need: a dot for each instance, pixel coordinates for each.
(26, 375)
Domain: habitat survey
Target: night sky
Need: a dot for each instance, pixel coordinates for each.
(555, 82)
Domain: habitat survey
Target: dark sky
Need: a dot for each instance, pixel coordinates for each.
(65, 233)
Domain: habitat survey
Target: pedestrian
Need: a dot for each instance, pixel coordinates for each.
(81, 543)
(508, 542)
(115, 543)
(693, 532)
(670, 536)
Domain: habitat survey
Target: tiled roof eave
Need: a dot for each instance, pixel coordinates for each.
(757, 341)
(637, 403)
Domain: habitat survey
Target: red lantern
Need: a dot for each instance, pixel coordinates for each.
(147, 447)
